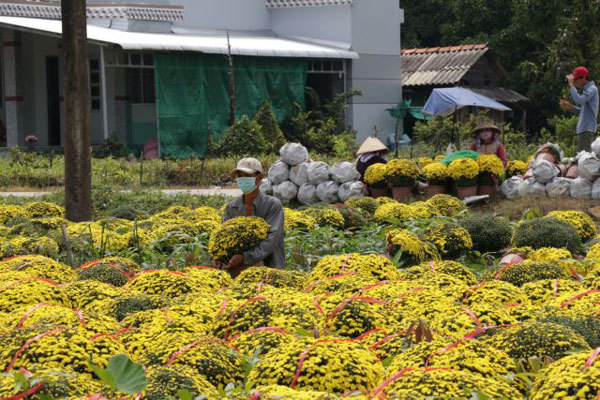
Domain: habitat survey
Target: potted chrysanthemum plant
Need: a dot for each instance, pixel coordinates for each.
(464, 172)
(437, 175)
(401, 176)
(491, 171)
(375, 177)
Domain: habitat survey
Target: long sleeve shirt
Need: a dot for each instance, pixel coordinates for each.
(587, 108)
(271, 250)
(500, 152)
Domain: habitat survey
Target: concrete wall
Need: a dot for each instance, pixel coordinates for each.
(224, 14)
(326, 23)
(376, 37)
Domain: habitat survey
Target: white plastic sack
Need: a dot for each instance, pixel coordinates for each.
(278, 173)
(307, 194)
(532, 188)
(317, 172)
(510, 187)
(581, 188)
(343, 172)
(350, 189)
(544, 171)
(596, 147)
(266, 187)
(293, 153)
(299, 174)
(589, 166)
(559, 187)
(596, 189)
(285, 191)
(328, 192)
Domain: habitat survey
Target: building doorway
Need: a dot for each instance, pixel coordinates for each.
(53, 100)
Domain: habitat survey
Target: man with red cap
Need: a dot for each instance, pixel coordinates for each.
(587, 106)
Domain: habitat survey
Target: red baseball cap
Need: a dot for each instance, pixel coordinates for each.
(580, 72)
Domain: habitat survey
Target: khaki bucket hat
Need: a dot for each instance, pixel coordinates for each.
(482, 126)
(370, 145)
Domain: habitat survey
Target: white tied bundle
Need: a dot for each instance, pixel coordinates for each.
(544, 171)
(532, 188)
(559, 187)
(266, 187)
(278, 173)
(317, 172)
(293, 153)
(343, 172)
(285, 191)
(596, 147)
(589, 166)
(299, 174)
(596, 189)
(307, 194)
(328, 192)
(350, 189)
(511, 187)
(581, 188)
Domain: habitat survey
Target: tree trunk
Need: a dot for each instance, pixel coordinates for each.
(78, 181)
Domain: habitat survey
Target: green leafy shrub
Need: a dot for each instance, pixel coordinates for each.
(547, 232)
(488, 232)
(272, 133)
(244, 137)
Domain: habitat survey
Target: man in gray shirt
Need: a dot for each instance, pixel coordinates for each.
(271, 251)
(587, 108)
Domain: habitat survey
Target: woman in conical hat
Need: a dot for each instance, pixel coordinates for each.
(486, 136)
(372, 151)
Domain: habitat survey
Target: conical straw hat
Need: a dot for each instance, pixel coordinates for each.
(371, 144)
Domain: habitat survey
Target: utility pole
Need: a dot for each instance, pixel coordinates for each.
(78, 179)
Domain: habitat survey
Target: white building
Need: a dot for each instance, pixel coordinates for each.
(338, 44)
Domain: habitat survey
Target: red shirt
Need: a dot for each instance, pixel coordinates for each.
(500, 152)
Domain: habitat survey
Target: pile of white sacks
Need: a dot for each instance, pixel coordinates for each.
(296, 177)
(544, 178)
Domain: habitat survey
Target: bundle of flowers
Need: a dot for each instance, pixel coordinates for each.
(46, 383)
(368, 204)
(371, 265)
(542, 291)
(126, 304)
(100, 237)
(298, 220)
(278, 278)
(325, 216)
(199, 318)
(581, 303)
(376, 175)
(346, 283)
(423, 209)
(495, 292)
(39, 266)
(300, 365)
(273, 392)
(8, 212)
(163, 282)
(450, 239)
(582, 222)
(436, 173)
(411, 249)
(447, 205)
(491, 168)
(116, 271)
(43, 209)
(549, 255)
(527, 271)
(22, 245)
(30, 291)
(427, 303)
(292, 310)
(211, 278)
(401, 173)
(236, 236)
(424, 161)
(86, 294)
(440, 382)
(165, 382)
(516, 167)
(446, 284)
(574, 376)
(537, 339)
(237, 317)
(464, 171)
(462, 321)
(353, 218)
(593, 253)
(262, 340)
(394, 212)
(448, 267)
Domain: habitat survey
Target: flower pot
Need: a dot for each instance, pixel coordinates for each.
(489, 190)
(31, 146)
(432, 190)
(466, 191)
(378, 192)
(546, 156)
(573, 172)
(401, 193)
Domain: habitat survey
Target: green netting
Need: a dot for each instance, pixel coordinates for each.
(192, 92)
(460, 154)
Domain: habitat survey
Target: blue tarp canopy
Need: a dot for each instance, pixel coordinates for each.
(446, 101)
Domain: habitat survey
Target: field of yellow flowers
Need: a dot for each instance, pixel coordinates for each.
(457, 305)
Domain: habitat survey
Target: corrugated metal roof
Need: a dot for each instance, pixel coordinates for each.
(439, 65)
(501, 94)
(242, 43)
(305, 3)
